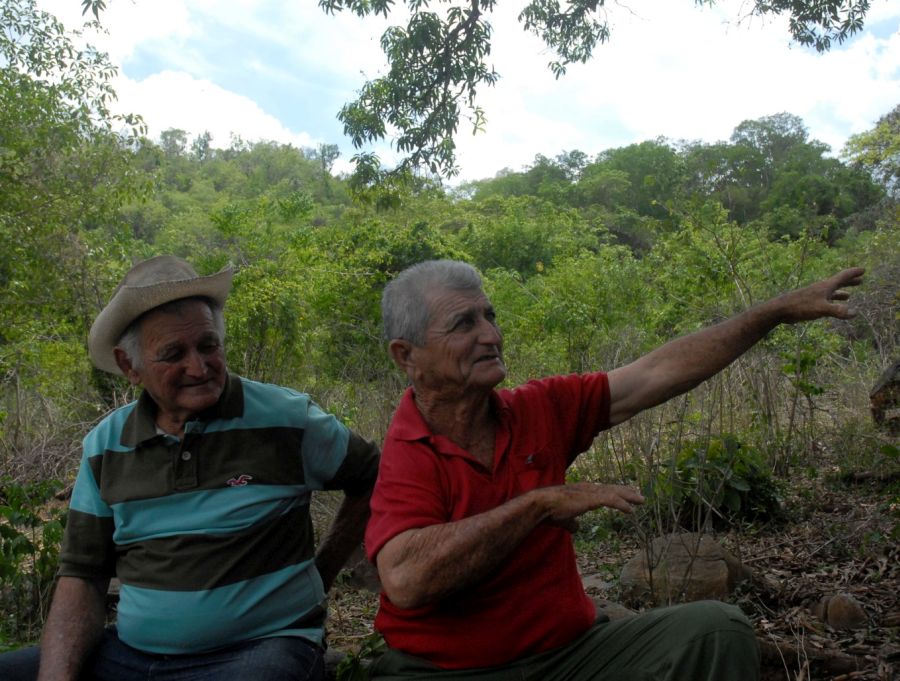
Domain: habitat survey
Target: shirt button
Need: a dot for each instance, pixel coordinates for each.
(185, 456)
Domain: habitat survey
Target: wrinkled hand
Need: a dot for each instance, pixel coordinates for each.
(819, 299)
(566, 502)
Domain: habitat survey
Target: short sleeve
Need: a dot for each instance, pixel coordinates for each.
(87, 548)
(574, 407)
(324, 446)
(356, 475)
(409, 494)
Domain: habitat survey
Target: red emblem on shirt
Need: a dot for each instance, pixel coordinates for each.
(240, 480)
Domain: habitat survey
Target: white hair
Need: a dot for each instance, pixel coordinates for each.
(404, 304)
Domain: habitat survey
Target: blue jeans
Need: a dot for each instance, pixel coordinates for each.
(267, 659)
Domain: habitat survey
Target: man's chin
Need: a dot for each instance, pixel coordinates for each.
(492, 373)
(198, 398)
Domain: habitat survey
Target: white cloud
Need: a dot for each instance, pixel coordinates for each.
(681, 72)
(129, 23)
(882, 10)
(671, 69)
(177, 100)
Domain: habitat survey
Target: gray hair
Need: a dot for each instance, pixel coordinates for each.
(130, 340)
(404, 303)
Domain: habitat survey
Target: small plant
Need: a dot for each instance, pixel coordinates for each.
(717, 481)
(354, 667)
(29, 553)
(600, 527)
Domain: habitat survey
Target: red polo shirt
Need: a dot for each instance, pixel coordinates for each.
(535, 600)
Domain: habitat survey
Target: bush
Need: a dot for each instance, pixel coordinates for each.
(29, 553)
(717, 481)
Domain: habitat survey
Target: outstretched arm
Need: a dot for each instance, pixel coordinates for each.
(74, 626)
(681, 364)
(423, 565)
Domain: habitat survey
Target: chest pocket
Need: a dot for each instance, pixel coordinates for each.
(532, 469)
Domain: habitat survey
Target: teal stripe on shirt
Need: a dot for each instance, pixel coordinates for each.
(106, 437)
(177, 622)
(324, 439)
(220, 511)
(266, 406)
(86, 495)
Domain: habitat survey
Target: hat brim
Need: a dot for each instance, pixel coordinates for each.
(130, 302)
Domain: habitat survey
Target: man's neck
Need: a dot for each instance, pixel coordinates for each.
(467, 421)
(173, 425)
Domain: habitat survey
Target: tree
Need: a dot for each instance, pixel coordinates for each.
(327, 154)
(727, 173)
(772, 167)
(201, 147)
(545, 178)
(64, 170)
(878, 151)
(438, 61)
(173, 142)
(654, 172)
(772, 139)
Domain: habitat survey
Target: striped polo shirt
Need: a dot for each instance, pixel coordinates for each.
(210, 534)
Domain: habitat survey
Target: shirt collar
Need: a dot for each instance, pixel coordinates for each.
(409, 425)
(140, 425)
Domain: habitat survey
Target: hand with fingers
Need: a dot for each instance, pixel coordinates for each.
(824, 298)
(564, 503)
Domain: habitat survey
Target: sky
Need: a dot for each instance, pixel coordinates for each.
(281, 71)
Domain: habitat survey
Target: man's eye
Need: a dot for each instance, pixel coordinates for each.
(209, 348)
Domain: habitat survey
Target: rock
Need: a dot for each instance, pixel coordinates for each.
(841, 611)
(332, 660)
(595, 582)
(607, 610)
(885, 400)
(682, 567)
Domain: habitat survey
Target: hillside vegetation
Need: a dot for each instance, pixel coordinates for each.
(591, 259)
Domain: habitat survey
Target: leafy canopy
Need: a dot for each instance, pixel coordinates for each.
(878, 150)
(65, 169)
(438, 61)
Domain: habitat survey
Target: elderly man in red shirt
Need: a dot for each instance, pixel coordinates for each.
(471, 508)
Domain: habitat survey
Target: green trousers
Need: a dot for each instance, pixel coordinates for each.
(702, 641)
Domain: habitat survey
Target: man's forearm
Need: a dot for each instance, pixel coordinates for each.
(73, 628)
(423, 565)
(426, 564)
(683, 363)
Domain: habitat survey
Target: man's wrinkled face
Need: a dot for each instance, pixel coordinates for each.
(182, 360)
(463, 346)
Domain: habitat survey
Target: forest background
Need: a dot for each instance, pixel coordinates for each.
(591, 259)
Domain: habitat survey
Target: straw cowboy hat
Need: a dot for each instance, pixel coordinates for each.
(149, 284)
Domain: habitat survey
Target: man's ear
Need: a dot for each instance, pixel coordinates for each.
(125, 366)
(401, 352)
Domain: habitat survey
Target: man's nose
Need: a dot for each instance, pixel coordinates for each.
(195, 363)
(489, 333)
